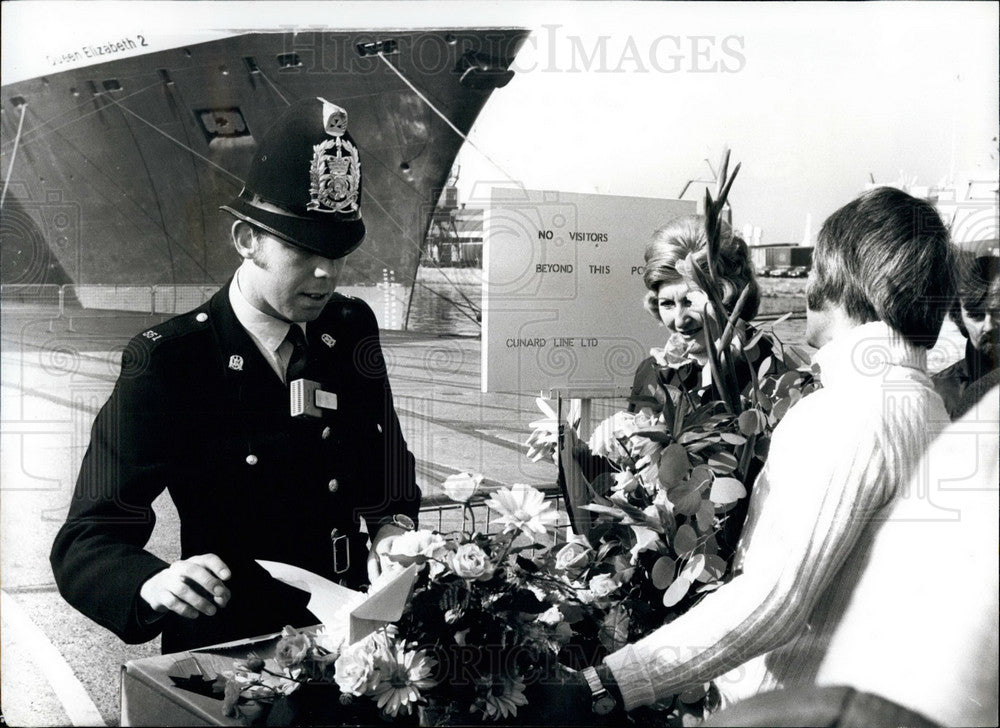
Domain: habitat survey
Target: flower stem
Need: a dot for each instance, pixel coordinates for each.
(284, 677)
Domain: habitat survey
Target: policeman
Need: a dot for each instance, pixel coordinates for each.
(266, 413)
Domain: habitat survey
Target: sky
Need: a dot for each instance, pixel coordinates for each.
(814, 99)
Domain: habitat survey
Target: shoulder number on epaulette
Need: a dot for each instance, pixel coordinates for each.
(152, 335)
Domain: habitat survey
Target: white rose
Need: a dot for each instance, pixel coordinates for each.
(355, 671)
(462, 486)
(551, 616)
(605, 441)
(603, 585)
(573, 555)
(471, 562)
(416, 546)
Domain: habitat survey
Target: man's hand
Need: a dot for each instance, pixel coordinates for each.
(189, 587)
(381, 544)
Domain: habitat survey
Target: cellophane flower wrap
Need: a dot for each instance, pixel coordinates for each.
(659, 520)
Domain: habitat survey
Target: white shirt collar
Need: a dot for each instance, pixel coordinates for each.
(267, 330)
(865, 352)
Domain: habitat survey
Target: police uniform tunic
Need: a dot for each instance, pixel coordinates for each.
(197, 410)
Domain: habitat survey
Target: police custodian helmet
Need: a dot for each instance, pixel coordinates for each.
(304, 184)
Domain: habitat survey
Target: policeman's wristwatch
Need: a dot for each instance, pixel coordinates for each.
(399, 520)
(604, 702)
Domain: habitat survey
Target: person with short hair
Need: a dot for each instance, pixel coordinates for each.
(836, 464)
(266, 413)
(901, 654)
(976, 312)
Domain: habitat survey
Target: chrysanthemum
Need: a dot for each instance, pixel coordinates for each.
(523, 508)
(499, 697)
(402, 677)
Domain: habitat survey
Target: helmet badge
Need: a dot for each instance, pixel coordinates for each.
(335, 172)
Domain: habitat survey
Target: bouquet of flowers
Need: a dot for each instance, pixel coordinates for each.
(482, 623)
(659, 523)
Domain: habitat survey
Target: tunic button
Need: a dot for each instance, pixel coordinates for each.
(333, 485)
(251, 459)
(202, 317)
(379, 427)
(326, 433)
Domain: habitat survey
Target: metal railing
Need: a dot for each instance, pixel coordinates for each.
(440, 513)
(385, 298)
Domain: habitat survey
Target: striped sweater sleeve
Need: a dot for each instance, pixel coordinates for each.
(810, 505)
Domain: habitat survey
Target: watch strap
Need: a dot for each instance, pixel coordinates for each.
(399, 520)
(594, 681)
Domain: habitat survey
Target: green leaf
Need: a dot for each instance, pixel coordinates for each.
(528, 565)
(660, 433)
(686, 497)
(693, 568)
(614, 630)
(676, 591)
(705, 516)
(701, 474)
(727, 490)
(781, 408)
(662, 573)
(754, 340)
(732, 438)
(571, 612)
(750, 422)
(680, 410)
(605, 549)
(686, 540)
(605, 510)
(722, 462)
(781, 319)
(765, 367)
(674, 464)
(787, 380)
(715, 568)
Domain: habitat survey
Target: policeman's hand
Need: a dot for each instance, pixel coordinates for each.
(378, 560)
(189, 587)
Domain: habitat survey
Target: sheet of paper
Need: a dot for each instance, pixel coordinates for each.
(330, 602)
(345, 612)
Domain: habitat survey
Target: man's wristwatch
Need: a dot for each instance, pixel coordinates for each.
(399, 520)
(604, 702)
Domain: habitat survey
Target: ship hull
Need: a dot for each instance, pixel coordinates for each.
(120, 168)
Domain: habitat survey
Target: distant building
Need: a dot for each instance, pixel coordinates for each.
(782, 259)
(455, 235)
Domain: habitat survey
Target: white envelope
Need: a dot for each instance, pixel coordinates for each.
(345, 611)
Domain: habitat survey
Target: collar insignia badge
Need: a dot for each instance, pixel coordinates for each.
(335, 172)
(236, 363)
(328, 340)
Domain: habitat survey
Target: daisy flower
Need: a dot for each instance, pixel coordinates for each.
(402, 676)
(523, 508)
(499, 696)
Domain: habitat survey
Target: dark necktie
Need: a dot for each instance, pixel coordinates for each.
(298, 362)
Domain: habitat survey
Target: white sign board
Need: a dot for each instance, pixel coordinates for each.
(562, 289)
